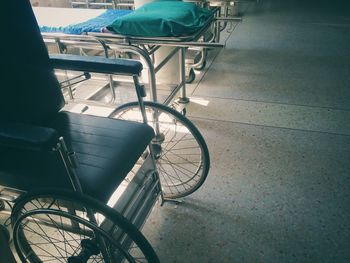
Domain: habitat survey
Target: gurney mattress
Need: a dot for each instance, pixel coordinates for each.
(162, 19)
(95, 24)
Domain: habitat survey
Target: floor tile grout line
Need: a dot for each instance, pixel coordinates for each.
(269, 126)
(272, 102)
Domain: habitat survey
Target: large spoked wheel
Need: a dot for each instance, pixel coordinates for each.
(63, 226)
(180, 152)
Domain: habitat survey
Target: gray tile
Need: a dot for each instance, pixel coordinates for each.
(284, 58)
(271, 114)
(273, 195)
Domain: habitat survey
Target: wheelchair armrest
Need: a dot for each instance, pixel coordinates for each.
(96, 64)
(26, 136)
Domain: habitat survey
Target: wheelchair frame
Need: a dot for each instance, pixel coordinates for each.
(136, 195)
(136, 200)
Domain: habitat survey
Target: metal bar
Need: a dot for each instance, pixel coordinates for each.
(65, 156)
(229, 19)
(172, 94)
(182, 58)
(140, 96)
(166, 59)
(110, 76)
(101, 4)
(202, 59)
(159, 42)
(146, 58)
(153, 49)
(86, 75)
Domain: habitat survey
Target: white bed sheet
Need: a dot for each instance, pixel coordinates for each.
(56, 17)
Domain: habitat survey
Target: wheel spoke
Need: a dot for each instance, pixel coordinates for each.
(183, 160)
(41, 234)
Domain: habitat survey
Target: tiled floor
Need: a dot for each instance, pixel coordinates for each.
(274, 109)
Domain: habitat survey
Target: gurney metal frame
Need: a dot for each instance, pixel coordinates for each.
(114, 4)
(107, 41)
(180, 45)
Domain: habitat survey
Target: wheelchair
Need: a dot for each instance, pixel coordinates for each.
(58, 169)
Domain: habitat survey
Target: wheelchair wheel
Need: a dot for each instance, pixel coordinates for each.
(180, 152)
(63, 226)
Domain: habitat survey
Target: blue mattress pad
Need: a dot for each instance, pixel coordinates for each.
(96, 24)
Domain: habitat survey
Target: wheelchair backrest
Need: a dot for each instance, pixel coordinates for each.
(29, 89)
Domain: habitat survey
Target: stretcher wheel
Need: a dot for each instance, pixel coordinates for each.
(63, 226)
(180, 152)
(191, 76)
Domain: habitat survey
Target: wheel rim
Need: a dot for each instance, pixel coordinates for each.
(180, 163)
(46, 231)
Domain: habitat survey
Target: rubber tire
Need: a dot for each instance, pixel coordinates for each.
(194, 131)
(191, 76)
(80, 200)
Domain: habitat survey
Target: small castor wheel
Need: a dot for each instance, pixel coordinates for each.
(191, 76)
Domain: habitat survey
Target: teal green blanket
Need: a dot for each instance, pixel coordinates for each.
(162, 19)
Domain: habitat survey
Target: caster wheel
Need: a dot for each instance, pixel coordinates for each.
(191, 76)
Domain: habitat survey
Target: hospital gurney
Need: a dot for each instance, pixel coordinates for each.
(191, 40)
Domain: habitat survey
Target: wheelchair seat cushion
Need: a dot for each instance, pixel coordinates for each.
(107, 149)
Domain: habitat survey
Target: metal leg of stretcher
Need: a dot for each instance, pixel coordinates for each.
(182, 56)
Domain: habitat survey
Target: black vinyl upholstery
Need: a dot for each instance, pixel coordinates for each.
(93, 64)
(30, 137)
(106, 149)
(32, 93)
